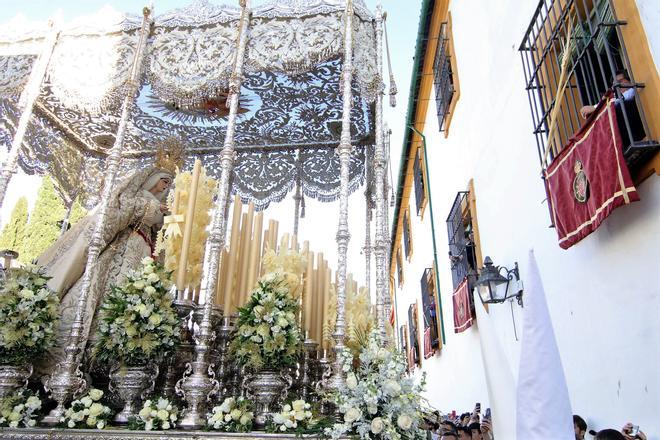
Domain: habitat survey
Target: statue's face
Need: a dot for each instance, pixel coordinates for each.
(162, 185)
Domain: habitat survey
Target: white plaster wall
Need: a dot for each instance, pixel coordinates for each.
(603, 293)
(649, 11)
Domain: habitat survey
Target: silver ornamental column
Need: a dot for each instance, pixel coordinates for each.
(380, 246)
(367, 219)
(28, 97)
(199, 384)
(337, 378)
(67, 378)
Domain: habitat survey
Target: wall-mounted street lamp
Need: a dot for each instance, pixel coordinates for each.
(491, 277)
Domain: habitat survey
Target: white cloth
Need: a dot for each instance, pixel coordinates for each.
(544, 409)
(499, 378)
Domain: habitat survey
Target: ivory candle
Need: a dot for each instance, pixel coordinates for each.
(230, 262)
(307, 297)
(284, 244)
(326, 303)
(243, 250)
(294, 242)
(187, 232)
(255, 247)
(222, 278)
(273, 239)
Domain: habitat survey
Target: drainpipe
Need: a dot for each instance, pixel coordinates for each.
(435, 249)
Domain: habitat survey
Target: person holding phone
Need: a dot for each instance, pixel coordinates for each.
(632, 432)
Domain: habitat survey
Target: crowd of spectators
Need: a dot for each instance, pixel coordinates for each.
(477, 426)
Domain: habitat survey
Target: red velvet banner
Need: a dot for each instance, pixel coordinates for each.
(462, 310)
(589, 178)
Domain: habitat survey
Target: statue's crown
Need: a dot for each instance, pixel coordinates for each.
(170, 154)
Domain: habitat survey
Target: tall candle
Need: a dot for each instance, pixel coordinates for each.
(255, 248)
(307, 298)
(189, 219)
(222, 278)
(229, 304)
(325, 292)
(284, 244)
(273, 237)
(244, 250)
(294, 242)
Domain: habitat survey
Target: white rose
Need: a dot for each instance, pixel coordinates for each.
(392, 387)
(149, 290)
(162, 414)
(377, 425)
(227, 405)
(87, 401)
(372, 408)
(26, 294)
(351, 381)
(235, 414)
(139, 284)
(282, 322)
(100, 424)
(153, 278)
(147, 261)
(71, 424)
(166, 425)
(352, 415)
(95, 410)
(31, 422)
(147, 270)
(91, 421)
(13, 424)
(95, 394)
(245, 419)
(227, 417)
(145, 413)
(404, 421)
(155, 319)
(298, 405)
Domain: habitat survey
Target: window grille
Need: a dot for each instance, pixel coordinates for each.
(443, 77)
(596, 52)
(462, 252)
(420, 190)
(407, 234)
(429, 298)
(399, 267)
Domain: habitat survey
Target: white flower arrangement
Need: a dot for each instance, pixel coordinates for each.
(295, 416)
(137, 323)
(268, 335)
(157, 413)
(28, 313)
(231, 416)
(378, 400)
(20, 410)
(87, 412)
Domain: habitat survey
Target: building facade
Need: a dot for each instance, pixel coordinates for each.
(496, 97)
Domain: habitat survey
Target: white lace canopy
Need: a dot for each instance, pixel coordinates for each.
(290, 105)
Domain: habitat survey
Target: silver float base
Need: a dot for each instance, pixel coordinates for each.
(123, 434)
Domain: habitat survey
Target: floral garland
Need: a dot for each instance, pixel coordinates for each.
(28, 313)
(87, 412)
(232, 416)
(157, 413)
(137, 321)
(20, 410)
(378, 401)
(268, 335)
(299, 417)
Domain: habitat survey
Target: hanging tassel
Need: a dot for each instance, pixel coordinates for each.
(393, 89)
(302, 206)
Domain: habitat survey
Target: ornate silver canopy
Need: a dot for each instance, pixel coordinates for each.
(290, 102)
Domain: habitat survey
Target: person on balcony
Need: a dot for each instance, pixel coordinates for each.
(626, 103)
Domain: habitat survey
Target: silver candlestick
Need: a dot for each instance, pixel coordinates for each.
(199, 384)
(308, 367)
(224, 333)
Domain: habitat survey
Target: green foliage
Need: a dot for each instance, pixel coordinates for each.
(14, 232)
(77, 213)
(42, 229)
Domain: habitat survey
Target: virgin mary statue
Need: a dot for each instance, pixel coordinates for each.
(134, 215)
